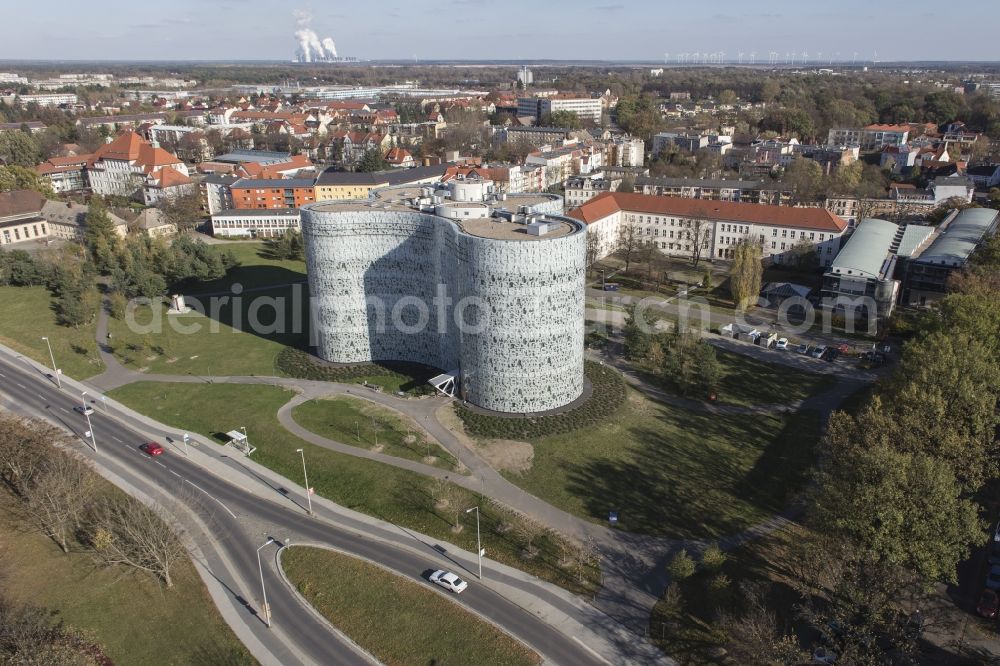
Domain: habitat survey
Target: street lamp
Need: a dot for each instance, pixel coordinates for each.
(479, 546)
(302, 453)
(55, 370)
(263, 592)
(90, 427)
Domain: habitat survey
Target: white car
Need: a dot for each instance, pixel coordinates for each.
(782, 343)
(449, 581)
(86, 410)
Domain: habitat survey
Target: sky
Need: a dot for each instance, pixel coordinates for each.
(510, 30)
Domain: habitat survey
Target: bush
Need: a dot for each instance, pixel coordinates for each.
(713, 558)
(608, 395)
(297, 363)
(681, 567)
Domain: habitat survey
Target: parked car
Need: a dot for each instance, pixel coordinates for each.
(817, 352)
(448, 581)
(781, 343)
(152, 448)
(996, 532)
(823, 655)
(988, 603)
(803, 349)
(995, 552)
(830, 355)
(86, 410)
(993, 578)
(844, 348)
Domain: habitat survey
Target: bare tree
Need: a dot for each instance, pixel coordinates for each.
(629, 240)
(649, 251)
(25, 444)
(593, 249)
(124, 531)
(755, 635)
(528, 531)
(698, 233)
(59, 495)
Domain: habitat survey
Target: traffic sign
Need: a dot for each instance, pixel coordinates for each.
(613, 517)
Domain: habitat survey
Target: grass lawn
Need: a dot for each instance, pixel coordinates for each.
(675, 472)
(395, 495)
(238, 337)
(255, 271)
(27, 316)
(344, 419)
(136, 619)
(390, 616)
(746, 381)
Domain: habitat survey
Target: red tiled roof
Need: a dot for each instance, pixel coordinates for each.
(170, 177)
(608, 203)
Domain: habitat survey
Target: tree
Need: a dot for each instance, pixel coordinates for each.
(698, 233)
(636, 333)
(805, 178)
(567, 119)
(58, 495)
(100, 236)
(124, 531)
(754, 635)
(593, 251)
(372, 160)
(746, 274)
(528, 531)
(32, 635)
(803, 256)
(15, 177)
(690, 363)
(681, 567)
(184, 210)
(19, 148)
(627, 185)
(287, 246)
(629, 239)
(728, 96)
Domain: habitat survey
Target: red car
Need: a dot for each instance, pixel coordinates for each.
(988, 604)
(152, 448)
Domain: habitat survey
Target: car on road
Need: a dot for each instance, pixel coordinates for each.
(448, 581)
(781, 343)
(152, 448)
(85, 410)
(993, 577)
(988, 604)
(830, 355)
(817, 352)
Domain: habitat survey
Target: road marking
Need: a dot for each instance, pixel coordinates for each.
(64, 409)
(117, 440)
(215, 498)
(174, 473)
(591, 650)
(21, 385)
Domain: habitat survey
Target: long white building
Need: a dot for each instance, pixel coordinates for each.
(677, 225)
(487, 287)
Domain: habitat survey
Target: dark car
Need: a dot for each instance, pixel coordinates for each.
(988, 603)
(830, 355)
(994, 552)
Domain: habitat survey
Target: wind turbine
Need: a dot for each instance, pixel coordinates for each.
(722, 57)
(854, 59)
(819, 57)
(741, 58)
(805, 57)
(753, 56)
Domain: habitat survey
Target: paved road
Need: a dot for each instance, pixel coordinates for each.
(240, 522)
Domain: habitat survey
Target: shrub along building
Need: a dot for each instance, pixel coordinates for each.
(711, 229)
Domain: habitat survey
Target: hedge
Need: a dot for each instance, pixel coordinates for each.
(297, 363)
(608, 395)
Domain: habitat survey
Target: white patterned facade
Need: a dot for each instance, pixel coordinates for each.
(506, 313)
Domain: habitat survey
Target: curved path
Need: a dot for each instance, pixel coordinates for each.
(634, 565)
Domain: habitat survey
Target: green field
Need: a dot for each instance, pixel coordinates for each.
(675, 472)
(400, 622)
(27, 315)
(748, 381)
(395, 495)
(346, 419)
(137, 620)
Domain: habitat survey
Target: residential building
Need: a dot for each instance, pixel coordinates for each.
(129, 163)
(689, 141)
(586, 108)
(539, 136)
(581, 189)
(741, 191)
(33, 126)
(872, 137)
(68, 220)
(121, 122)
(42, 99)
(250, 163)
(507, 178)
(681, 227)
(244, 223)
(625, 151)
(334, 185)
(153, 223)
(926, 275)
(65, 174)
(984, 176)
(166, 184)
(272, 194)
(216, 192)
(19, 217)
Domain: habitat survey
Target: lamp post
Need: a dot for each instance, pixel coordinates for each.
(479, 545)
(263, 592)
(305, 476)
(55, 370)
(90, 427)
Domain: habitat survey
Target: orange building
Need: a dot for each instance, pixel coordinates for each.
(251, 193)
